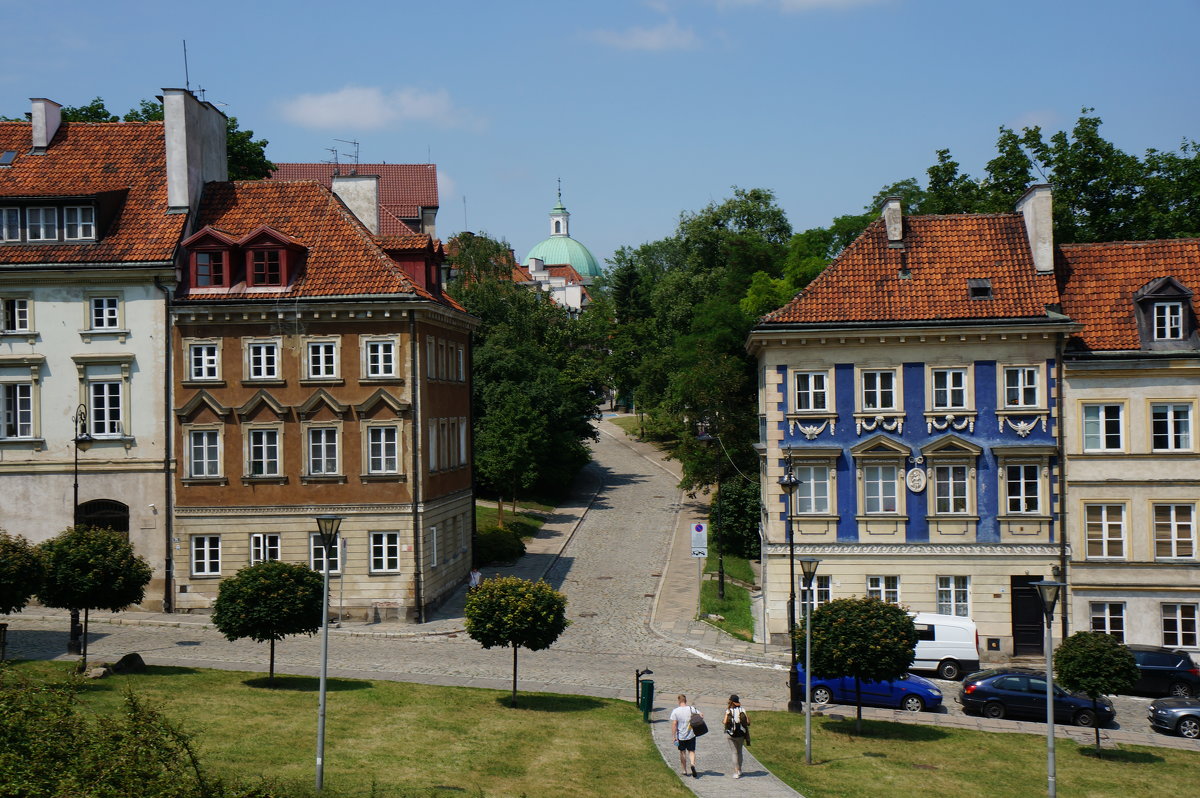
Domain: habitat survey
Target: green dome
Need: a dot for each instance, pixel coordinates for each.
(560, 249)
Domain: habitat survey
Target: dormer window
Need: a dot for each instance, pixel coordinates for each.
(41, 224)
(1168, 321)
(208, 269)
(10, 224)
(1165, 319)
(79, 222)
(266, 267)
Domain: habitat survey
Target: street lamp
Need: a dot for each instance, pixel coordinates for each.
(83, 441)
(808, 566)
(788, 483)
(706, 438)
(328, 526)
(1048, 593)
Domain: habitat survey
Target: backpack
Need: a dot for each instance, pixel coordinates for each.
(736, 727)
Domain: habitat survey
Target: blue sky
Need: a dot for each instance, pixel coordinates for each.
(644, 109)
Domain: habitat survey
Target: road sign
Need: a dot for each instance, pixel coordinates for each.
(699, 540)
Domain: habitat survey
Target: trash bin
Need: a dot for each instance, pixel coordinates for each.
(647, 698)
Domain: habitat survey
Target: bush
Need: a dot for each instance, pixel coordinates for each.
(493, 544)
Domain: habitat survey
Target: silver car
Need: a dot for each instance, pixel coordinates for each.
(1176, 715)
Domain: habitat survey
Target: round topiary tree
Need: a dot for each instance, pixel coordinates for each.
(20, 572)
(1095, 664)
(510, 611)
(268, 602)
(864, 638)
(86, 568)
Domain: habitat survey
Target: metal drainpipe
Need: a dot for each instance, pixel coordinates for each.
(168, 449)
(415, 491)
(1062, 488)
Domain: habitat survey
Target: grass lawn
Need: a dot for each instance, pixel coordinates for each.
(737, 567)
(897, 759)
(387, 739)
(523, 523)
(735, 608)
(630, 424)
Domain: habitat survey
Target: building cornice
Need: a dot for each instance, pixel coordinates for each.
(974, 331)
(918, 549)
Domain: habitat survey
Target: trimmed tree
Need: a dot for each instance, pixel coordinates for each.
(864, 638)
(268, 602)
(20, 572)
(508, 611)
(1095, 664)
(87, 568)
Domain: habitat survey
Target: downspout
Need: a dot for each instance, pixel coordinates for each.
(1062, 486)
(417, 481)
(168, 449)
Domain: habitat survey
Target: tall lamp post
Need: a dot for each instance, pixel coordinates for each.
(1048, 593)
(788, 483)
(808, 566)
(328, 526)
(706, 438)
(83, 441)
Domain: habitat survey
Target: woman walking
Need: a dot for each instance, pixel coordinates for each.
(737, 729)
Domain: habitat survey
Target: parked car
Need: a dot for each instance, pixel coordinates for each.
(910, 692)
(1176, 715)
(1020, 692)
(946, 644)
(1166, 672)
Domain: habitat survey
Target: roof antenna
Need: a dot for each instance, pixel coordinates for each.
(560, 191)
(355, 143)
(333, 151)
(187, 84)
(465, 228)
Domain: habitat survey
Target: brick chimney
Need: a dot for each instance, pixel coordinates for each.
(47, 116)
(195, 140)
(1037, 207)
(893, 219)
(360, 193)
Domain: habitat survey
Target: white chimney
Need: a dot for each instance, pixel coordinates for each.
(893, 219)
(196, 154)
(47, 116)
(360, 193)
(1037, 207)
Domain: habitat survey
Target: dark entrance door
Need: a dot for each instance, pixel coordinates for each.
(106, 514)
(1027, 618)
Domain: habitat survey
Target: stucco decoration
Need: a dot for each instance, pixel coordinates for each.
(1023, 428)
(811, 431)
(948, 422)
(916, 480)
(895, 425)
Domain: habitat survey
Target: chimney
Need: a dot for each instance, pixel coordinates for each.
(1036, 206)
(893, 219)
(195, 140)
(360, 193)
(47, 115)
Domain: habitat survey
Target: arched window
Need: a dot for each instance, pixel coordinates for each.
(105, 513)
(557, 226)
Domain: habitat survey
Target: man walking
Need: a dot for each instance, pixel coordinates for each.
(685, 738)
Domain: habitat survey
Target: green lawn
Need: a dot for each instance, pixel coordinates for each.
(735, 608)
(388, 739)
(525, 524)
(897, 759)
(630, 424)
(737, 567)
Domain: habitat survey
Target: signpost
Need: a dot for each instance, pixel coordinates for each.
(700, 549)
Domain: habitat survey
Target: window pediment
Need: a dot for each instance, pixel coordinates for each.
(321, 399)
(880, 446)
(951, 446)
(201, 399)
(260, 400)
(209, 238)
(381, 398)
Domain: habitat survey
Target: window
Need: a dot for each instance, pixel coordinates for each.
(262, 361)
(879, 484)
(430, 358)
(1179, 625)
(811, 391)
(41, 224)
(317, 553)
(265, 267)
(1174, 531)
(382, 450)
(462, 365)
(1168, 321)
(884, 588)
(322, 451)
(1102, 428)
(14, 315)
(878, 390)
(204, 453)
(263, 548)
(1023, 486)
(381, 358)
(206, 555)
(264, 453)
(209, 269)
(812, 489)
(820, 593)
(949, 389)
(443, 364)
(106, 312)
(950, 489)
(16, 410)
(1108, 617)
(462, 441)
(79, 222)
(10, 224)
(385, 552)
(105, 408)
(1105, 530)
(954, 596)
(1171, 426)
(433, 546)
(322, 360)
(434, 464)
(1021, 386)
(203, 362)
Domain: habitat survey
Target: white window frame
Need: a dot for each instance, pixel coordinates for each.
(321, 361)
(1182, 616)
(106, 407)
(209, 549)
(814, 488)
(434, 464)
(462, 365)
(434, 534)
(1021, 380)
(84, 222)
(256, 350)
(316, 554)
(1099, 417)
(1108, 617)
(379, 357)
(105, 312)
(954, 596)
(41, 226)
(17, 406)
(211, 451)
(955, 383)
(377, 464)
(385, 552)
(1110, 523)
(1168, 321)
(811, 391)
(463, 455)
(879, 494)
(264, 547)
(1017, 503)
(872, 383)
(1176, 528)
(10, 224)
(322, 450)
(884, 588)
(15, 314)
(430, 357)
(253, 443)
(1176, 420)
(952, 483)
(204, 361)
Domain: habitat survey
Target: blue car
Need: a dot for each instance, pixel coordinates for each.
(909, 692)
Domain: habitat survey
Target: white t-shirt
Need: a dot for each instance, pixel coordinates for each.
(683, 718)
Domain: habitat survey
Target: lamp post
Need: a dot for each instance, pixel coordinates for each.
(808, 566)
(328, 526)
(83, 441)
(718, 533)
(788, 483)
(1048, 593)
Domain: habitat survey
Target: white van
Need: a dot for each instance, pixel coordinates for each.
(947, 644)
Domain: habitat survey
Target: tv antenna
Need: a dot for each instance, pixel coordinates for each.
(355, 143)
(186, 78)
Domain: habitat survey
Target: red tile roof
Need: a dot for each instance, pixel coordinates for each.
(941, 253)
(567, 271)
(84, 159)
(403, 188)
(1099, 281)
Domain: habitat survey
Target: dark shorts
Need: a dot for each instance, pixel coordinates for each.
(687, 745)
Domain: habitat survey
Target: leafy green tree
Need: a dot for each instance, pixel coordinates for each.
(247, 157)
(736, 516)
(506, 442)
(87, 568)
(20, 572)
(864, 638)
(268, 602)
(511, 612)
(1095, 664)
(91, 112)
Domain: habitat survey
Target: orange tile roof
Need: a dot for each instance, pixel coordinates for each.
(343, 258)
(403, 188)
(1099, 281)
(84, 159)
(864, 285)
(565, 270)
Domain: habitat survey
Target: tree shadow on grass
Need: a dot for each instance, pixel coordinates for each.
(550, 703)
(1119, 755)
(883, 730)
(306, 684)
